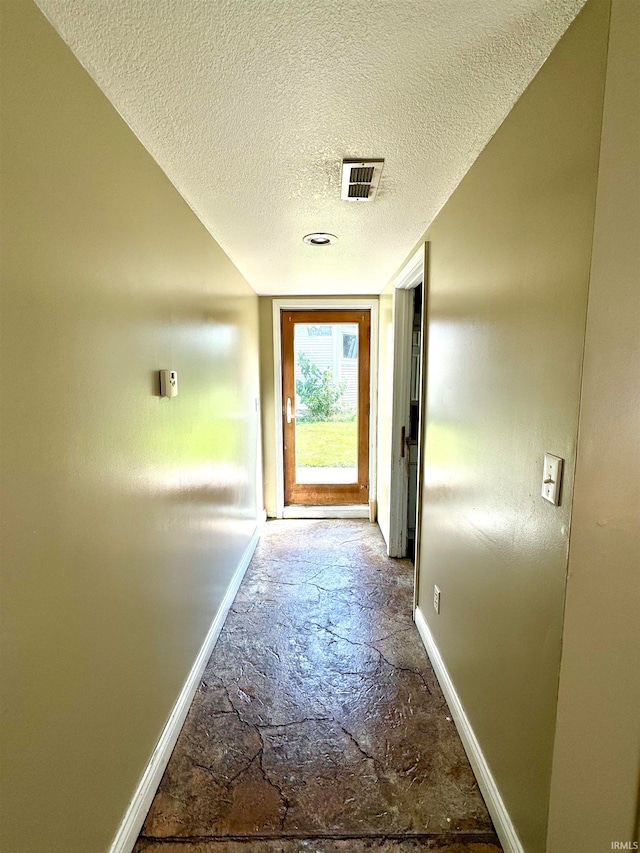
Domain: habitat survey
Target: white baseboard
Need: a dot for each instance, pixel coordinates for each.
(346, 511)
(487, 784)
(141, 801)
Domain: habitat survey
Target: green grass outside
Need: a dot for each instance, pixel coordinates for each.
(326, 444)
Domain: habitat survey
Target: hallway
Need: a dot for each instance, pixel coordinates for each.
(319, 724)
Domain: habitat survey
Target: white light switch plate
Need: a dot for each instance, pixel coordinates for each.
(551, 478)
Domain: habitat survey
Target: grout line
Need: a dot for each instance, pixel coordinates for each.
(464, 836)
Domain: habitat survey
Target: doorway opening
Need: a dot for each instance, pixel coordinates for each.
(325, 412)
(415, 396)
(367, 306)
(409, 382)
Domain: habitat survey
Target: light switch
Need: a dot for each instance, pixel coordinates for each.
(551, 478)
(168, 383)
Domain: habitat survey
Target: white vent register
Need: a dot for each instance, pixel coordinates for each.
(360, 179)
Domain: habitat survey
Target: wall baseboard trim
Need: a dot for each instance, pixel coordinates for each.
(487, 784)
(136, 812)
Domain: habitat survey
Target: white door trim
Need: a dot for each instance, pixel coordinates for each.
(309, 304)
(422, 415)
(411, 275)
(399, 476)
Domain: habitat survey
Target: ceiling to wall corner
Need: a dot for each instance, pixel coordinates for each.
(249, 106)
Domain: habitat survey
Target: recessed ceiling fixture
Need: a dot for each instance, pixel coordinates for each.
(360, 179)
(319, 238)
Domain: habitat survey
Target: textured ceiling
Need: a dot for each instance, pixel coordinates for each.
(250, 105)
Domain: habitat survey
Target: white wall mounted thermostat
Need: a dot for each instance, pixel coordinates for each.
(168, 383)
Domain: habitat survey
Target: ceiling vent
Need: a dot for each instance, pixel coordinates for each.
(360, 179)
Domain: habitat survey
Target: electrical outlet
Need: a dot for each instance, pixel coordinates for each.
(436, 599)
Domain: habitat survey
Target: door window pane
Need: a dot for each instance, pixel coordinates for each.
(326, 378)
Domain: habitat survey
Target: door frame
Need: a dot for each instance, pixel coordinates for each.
(326, 493)
(414, 273)
(335, 304)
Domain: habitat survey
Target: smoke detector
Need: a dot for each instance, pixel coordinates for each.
(360, 179)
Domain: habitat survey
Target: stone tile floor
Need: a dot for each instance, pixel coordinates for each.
(319, 725)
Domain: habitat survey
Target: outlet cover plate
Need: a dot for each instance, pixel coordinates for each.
(436, 599)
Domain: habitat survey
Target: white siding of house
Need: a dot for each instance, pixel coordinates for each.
(326, 352)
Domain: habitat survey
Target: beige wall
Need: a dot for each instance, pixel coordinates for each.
(124, 515)
(509, 274)
(267, 390)
(594, 791)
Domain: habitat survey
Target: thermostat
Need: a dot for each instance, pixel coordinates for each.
(168, 383)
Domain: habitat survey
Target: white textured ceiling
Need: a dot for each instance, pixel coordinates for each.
(250, 105)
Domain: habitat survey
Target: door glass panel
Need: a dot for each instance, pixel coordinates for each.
(326, 380)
